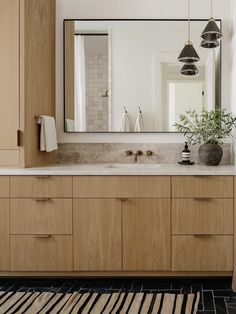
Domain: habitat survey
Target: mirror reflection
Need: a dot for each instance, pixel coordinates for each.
(124, 76)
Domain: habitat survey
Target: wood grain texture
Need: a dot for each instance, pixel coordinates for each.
(29, 253)
(4, 186)
(97, 234)
(69, 68)
(9, 74)
(32, 216)
(202, 186)
(37, 186)
(38, 78)
(203, 216)
(4, 234)
(146, 234)
(202, 254)
(121, 186)
(9, 158)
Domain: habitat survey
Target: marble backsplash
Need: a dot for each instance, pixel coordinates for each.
(115, 153)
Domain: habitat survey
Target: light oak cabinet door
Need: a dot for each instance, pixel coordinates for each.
(97, 234)
(213, 253)
(146, 234)
(202, 186)
(41, 253)
(41, 216)
(202, 216)
(41, 186)
(4, 234)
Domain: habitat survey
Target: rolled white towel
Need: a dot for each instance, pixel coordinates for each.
(125, 123)
(139, 124)
(48, 134)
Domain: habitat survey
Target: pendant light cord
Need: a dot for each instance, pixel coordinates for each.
(211, 8)
(188, 20)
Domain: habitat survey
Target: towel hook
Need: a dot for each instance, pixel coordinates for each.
(125, 109)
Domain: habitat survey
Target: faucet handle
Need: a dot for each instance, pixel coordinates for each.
(128, 153)
(149, 153)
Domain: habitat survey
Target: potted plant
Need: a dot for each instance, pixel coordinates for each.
(210, 129)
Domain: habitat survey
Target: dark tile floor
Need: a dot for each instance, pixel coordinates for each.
(216, 294)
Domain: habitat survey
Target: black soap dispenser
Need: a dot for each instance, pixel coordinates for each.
(186, 156)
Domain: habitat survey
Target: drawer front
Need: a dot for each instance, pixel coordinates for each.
(121, 186)
(40, 216)
(41, 186)
(202, 216)
(202, 186)
(4, 186)
(4, 234)
(191, 253)
(41, 253)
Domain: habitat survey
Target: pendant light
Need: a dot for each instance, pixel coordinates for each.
(189, 69)
(188, 54)
(211, 34)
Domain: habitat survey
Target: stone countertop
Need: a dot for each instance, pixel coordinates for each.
(120, 169)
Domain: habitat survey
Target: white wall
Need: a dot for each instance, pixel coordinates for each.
(121, 9)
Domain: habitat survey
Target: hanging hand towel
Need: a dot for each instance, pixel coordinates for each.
(139, 124)
(48, 134)
(125, 123)
(70, 125)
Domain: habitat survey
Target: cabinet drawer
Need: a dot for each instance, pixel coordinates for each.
(41, 186)
(4, 234)
(121, 186)
(41, 216)
(202, 186)
(4, 186)
(41, 253)
(202, 216)
(202, 253)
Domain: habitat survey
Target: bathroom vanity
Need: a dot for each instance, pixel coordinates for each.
(114, 221)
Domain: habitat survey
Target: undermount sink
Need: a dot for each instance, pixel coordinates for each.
(134, 166)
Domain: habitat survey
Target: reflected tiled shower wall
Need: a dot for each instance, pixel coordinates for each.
(96, 67)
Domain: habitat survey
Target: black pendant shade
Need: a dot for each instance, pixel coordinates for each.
(211, 31)
(189, 70)
(188, 54)
(210, 44)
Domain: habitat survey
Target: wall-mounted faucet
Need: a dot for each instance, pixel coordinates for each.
(130, 153)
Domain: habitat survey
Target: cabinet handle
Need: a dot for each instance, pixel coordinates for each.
(42, 236)
(42, 177)
(202, 199)
(123, 199)
(42, 199)
(203, 236)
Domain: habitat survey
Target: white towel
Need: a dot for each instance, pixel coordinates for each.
(125, 123)
(48, 134)
(139, 124)
(70, 125)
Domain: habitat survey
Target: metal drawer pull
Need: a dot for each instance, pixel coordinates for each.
(202, 236)
(43, 236)
(42, 177)
(123, 199)
(202, 199)
(42, 199)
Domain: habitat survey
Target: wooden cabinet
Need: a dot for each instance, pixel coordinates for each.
(202, 186)
(41, 253)
(41, 186)
(146, 234)
(4, 234)
(202, 253)
(97, 234)
(27, 78)
(41, 216)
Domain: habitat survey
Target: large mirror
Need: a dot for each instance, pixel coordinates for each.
(124, 76)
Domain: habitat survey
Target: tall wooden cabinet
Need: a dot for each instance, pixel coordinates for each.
(27, 78)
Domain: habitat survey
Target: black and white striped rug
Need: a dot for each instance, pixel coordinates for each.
(97, 303)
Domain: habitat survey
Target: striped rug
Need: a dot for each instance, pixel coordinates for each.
(97, 303)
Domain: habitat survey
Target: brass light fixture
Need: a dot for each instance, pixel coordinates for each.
(211, 34)
(188, 54)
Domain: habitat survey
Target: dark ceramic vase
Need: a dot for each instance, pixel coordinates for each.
(210, 154)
